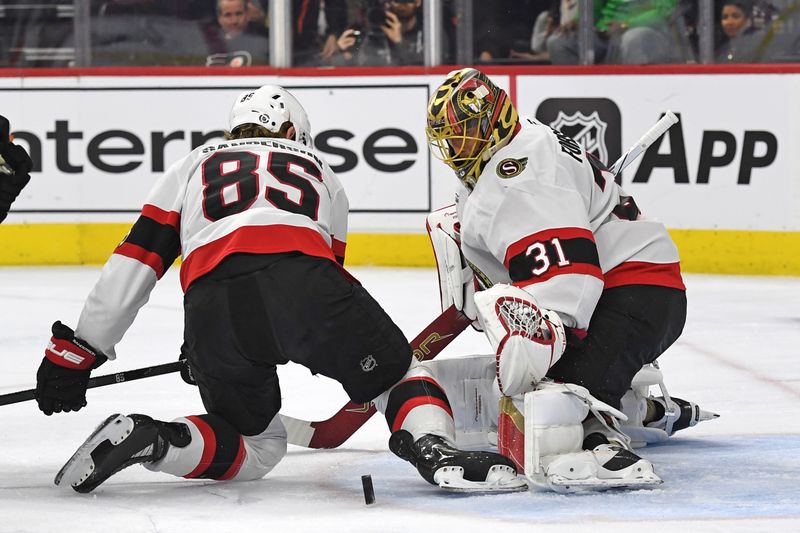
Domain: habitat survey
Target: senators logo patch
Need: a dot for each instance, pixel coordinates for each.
(510, 167)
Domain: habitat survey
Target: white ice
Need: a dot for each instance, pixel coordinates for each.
(738, 356)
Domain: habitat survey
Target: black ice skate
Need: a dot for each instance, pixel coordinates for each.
(456, 470)
(681, 415)
(119, 442)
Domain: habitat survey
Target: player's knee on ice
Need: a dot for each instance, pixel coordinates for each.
(234, 456)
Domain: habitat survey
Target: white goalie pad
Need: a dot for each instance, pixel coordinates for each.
(554, 415)
(554, 431)
(471, 387)
(456, 279)
(527, 339)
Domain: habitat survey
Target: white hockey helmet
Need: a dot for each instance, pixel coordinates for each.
(269, 107)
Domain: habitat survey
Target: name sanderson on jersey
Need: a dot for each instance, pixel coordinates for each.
(272, 143)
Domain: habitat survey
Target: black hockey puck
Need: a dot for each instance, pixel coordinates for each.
(369, 492)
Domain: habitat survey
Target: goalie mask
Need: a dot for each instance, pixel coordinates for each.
(469, 119)
(269, 107)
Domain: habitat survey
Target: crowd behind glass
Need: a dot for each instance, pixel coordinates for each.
(334, 33)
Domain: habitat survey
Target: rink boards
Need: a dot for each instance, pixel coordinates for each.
(724, 180)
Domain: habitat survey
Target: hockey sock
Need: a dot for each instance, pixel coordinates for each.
(223, 448)
(420, 406)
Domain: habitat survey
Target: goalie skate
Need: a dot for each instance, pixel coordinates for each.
(457, 470)
(118, 442)
(652, 419)
(606, 467)
(675, 414)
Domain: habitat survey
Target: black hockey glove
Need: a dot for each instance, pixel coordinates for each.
(63, 376)
(15, 168)
(186, 371)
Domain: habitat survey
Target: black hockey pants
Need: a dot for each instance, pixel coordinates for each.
(253, 312)
(631, 326)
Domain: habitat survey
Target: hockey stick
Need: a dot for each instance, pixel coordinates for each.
(333, 432)
(101, 381)
(658, 129)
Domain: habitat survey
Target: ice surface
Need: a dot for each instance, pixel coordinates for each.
(738, 356)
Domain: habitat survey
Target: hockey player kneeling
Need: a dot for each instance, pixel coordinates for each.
(580, 290)
(260, 221)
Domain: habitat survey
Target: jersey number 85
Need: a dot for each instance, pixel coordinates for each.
(239, 170)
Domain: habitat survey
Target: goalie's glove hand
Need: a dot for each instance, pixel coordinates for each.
(63, 376)
(15, 168)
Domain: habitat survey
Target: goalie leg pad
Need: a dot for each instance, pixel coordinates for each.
(553, 423)
(527, 339)
(471, 388)
(555, 416)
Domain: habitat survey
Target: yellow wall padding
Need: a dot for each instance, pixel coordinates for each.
(706, 251)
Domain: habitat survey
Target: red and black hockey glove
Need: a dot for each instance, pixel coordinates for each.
(63, 376)
(15, 168)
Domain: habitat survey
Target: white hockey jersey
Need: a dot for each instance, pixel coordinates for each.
(242, 196)
(545, 218)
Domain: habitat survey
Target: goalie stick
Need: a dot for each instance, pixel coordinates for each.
(658, 129)
(101, 381)
(333, 432)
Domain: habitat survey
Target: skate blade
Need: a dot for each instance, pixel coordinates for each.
(564, 485)
(702, 415)
(500, 478)
(81, 465)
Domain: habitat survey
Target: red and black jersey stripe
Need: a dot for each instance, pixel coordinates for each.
(553, 252)
(223, 448)
(154, 239)
(412, 393)
(338, 248)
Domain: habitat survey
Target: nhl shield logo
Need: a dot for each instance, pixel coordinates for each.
(510, 167)
(588, 131)
(368, 364)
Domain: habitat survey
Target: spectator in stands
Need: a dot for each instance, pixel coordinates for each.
(545, 25)
(390, 34)
(313, 44)
(629, 32)
(740, 39)
(235, 41)
(562, 44)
